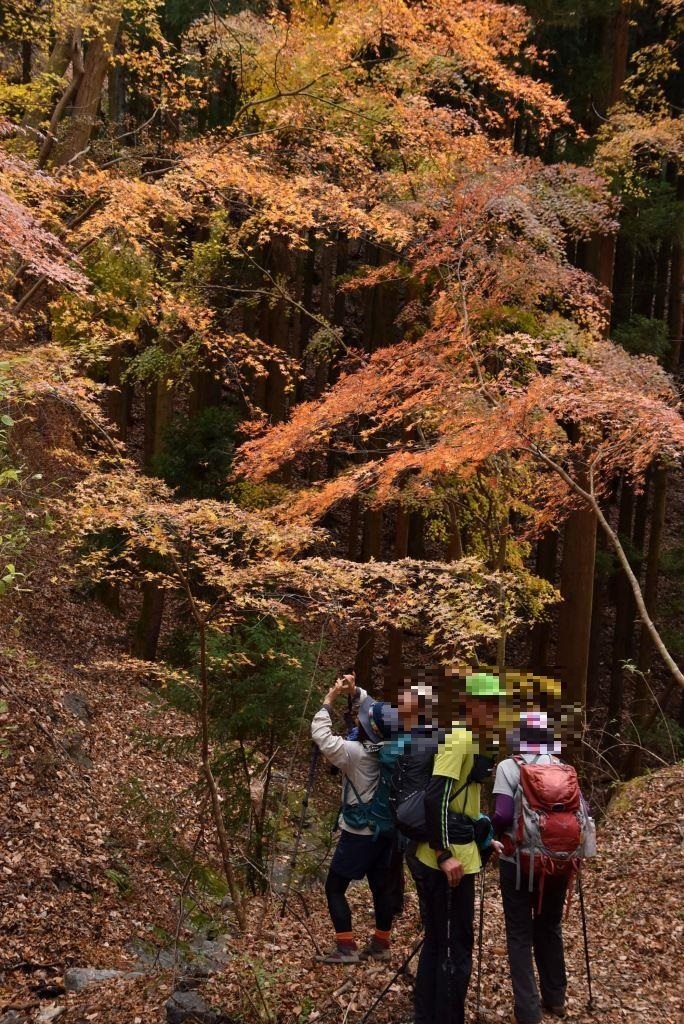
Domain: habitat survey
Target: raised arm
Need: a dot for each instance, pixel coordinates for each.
(335, 748)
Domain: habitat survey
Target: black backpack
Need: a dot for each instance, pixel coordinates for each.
(410, 778)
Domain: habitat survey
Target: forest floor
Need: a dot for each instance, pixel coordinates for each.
(96, 800)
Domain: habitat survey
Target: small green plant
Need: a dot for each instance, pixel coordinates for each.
(198, 452)
(4, 745)
(121, 879)
(643, 335)
(11, 539)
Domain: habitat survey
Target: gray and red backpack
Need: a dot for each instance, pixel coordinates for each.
(552, 828)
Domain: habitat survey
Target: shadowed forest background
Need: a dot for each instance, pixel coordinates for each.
(332, 334)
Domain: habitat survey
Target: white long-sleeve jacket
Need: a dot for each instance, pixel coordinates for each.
(358, 761)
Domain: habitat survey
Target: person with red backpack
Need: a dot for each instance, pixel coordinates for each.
(544, 822)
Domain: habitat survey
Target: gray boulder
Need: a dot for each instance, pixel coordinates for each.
(189, 1006)
(48, 1014)
(78, 706)
(78, 978)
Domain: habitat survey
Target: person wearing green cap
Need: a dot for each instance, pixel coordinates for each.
(445, 870)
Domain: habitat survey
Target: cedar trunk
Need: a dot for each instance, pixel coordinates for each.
(577, 589)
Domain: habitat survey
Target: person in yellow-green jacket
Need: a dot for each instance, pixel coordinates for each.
(444, 867)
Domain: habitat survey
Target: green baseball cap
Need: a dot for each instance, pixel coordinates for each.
(481, 684)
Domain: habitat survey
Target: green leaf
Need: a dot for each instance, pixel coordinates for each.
(7, 420)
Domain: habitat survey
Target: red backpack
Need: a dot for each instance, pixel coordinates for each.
(552, 827)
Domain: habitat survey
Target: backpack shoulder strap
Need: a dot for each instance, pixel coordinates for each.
(348, 782)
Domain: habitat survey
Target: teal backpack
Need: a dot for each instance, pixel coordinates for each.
(375, 813)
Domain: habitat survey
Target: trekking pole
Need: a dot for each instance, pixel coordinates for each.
(315, 753)
(479, 948)
(590, 1004)
(394, 977)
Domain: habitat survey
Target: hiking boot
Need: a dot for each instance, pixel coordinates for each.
(340, 956)
(374, 951)
(555, 1011)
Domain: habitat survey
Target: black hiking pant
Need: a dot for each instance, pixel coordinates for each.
(447, 954)
(359, 857)
(529, 931)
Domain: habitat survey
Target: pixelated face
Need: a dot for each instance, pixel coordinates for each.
(483, 716)
(416, 703)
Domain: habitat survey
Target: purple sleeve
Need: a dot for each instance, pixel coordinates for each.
(503, 813)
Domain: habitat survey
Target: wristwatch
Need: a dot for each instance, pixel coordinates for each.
(444, 855)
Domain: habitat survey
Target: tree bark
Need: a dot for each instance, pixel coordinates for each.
(675, 311)
(624, 616)
(146, 639)
(597, 621)
(545, 567)
(118, 396)
(454, 551)
(26, 59)
(577, 589)
(396, 634)
(371, 543)
(71, 148)
(67, 97)
(617, 48)
(642, 695)
(354, 526)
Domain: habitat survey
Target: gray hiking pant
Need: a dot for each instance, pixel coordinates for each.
(528, 931)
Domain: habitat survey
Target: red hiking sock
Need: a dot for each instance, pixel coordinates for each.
(345, 941)
(381, 939)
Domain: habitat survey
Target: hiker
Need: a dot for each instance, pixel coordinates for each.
(444, 867)
(363, 851)
(533, 912)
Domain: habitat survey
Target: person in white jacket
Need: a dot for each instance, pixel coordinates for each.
(360, 853)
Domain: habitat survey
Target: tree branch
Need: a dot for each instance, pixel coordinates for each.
(589, 498)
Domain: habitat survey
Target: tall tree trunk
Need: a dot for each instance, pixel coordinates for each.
(396, 634)
(577, 590)
(371, 298)
(149, 623)
(118, 396)
(276, 330)
(623, 280)
(339, 308)
(116, 90)
(71, 148)
(354, 527)
(597, 621)
(675, 317)
(416, 536)
(370, 548)
(616, 49)
(642, 698)
(545, 567)
(625, 611)
(372, 534)
(454, 550)
(26, 59)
